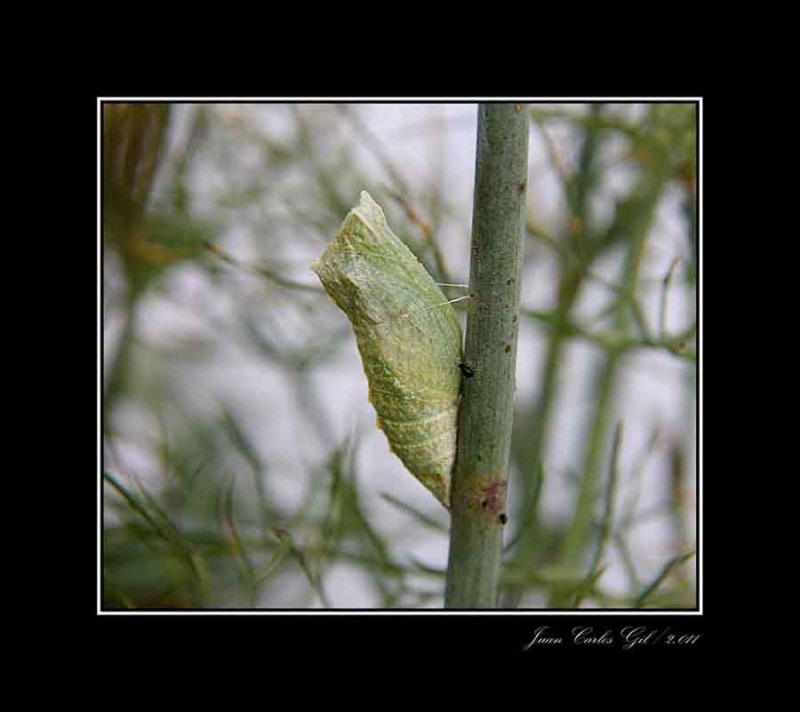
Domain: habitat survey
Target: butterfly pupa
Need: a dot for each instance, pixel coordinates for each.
(409, 338)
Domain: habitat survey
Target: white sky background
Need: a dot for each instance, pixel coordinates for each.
(431, 145)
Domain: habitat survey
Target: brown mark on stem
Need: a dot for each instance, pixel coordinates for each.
(490, 496)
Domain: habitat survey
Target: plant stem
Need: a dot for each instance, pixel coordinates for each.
(480, 476)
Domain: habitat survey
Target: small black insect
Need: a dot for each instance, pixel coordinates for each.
(502, 518)
(466, 370)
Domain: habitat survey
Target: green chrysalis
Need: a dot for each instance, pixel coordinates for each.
(409, 339)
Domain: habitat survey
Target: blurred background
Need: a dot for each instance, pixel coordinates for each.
(242, 467)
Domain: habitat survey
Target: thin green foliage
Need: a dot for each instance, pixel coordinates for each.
(232, 476)
(650, 590)
(422, 518)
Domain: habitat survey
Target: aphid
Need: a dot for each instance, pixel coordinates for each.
(408, 336)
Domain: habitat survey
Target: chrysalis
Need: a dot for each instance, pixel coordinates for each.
(409, 338)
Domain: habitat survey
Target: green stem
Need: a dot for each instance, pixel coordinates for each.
(486, 416)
